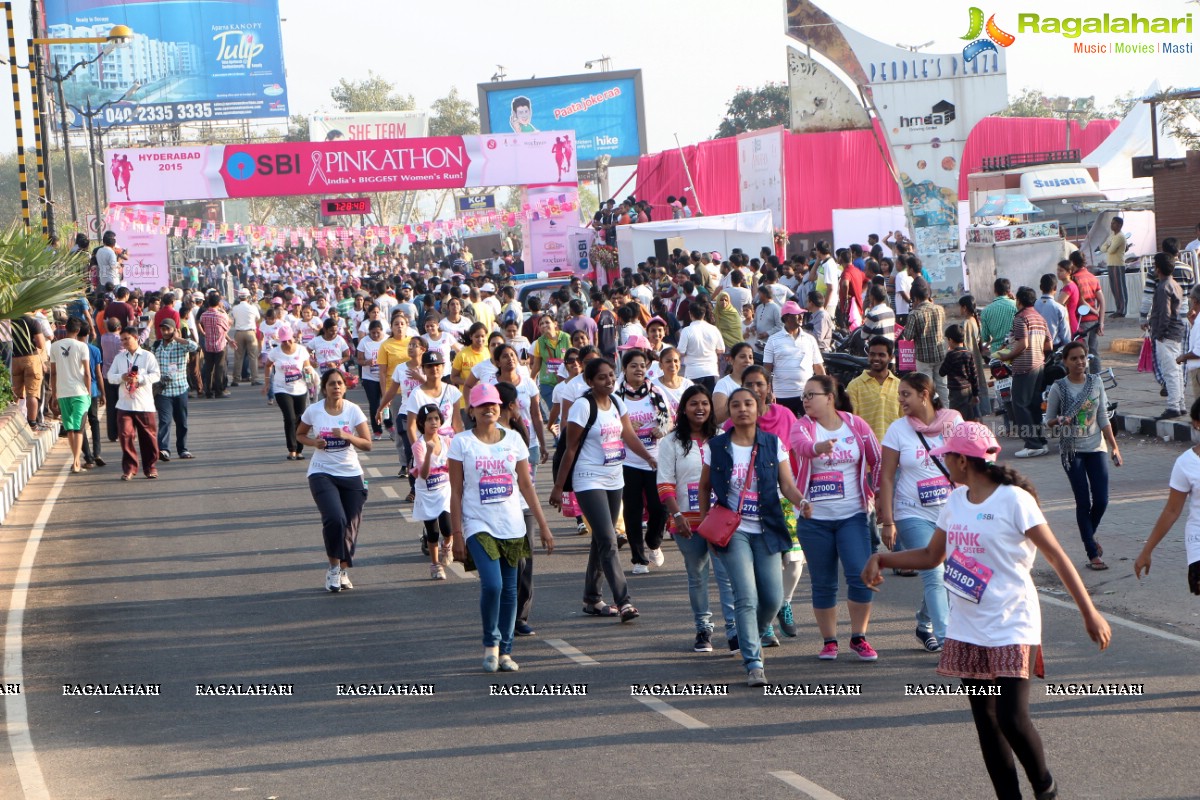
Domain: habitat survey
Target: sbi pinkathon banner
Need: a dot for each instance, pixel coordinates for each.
(302, 168)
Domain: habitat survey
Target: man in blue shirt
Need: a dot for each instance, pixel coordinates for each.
(1052, 311)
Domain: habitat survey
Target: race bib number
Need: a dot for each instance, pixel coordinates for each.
(495, 488)
(646, 435)
(966, 577)
(933, 491)
(172, 369)
(436, 479)
(614, 452)
(693, 500)
(750, 507)
(291, 374)
(552, 365)
(826, 486)
(333, 441)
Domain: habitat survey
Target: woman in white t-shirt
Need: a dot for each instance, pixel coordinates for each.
(308, 327)
(837, 458)
(650, 417)
(508, 369)
(747, 471)
(329, 350)
(454, 323)
(741, 355)
(988, 534)
(338, 428)
(669, 381)
(913, 487)
(268, 330)
(368, 367)
(289, 374)
(1185, 488)
(598, 455)
(437, 339)
(489, 472)
(431, 505)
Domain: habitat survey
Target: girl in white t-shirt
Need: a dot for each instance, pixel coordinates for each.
(668, 380)
(289, 374)
(598, 456)
(436, 339)
(337, 428)
(489, 472)
(431, 505)
(988, 534)
(650, 417)
(1185, 488)
(329, 349)
(741, 355)
(368, 366)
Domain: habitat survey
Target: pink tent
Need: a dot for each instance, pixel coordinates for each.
(844, 169)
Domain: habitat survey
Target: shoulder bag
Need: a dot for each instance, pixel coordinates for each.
(717, 528)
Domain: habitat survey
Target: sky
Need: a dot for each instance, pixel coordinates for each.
(694, 55)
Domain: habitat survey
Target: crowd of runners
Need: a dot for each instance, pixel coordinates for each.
(683, 402)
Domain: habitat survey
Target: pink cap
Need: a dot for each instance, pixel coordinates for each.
(791, 307)
(656, 321)
(284, 334)
(636, 342)
(276, 301)
(969, 439)
(483, 394)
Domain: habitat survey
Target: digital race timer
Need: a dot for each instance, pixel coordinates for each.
(346, 205)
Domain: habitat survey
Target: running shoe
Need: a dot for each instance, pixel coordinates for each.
(100, 461)
(703, 642)
(828, 652)
(640, 569)
(756, 677)
(186, 455)
(507, 664)
(524, 629)
(786, 623)
(436, 572)
(581, 529)
(333, 579)
(446, 553)
(403, 473)
(656, 557)
(864, 650)
(927, 640)
(344, 580)
(769, 639)
(164, 455)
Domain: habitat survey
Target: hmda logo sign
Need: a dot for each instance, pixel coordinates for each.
(941, 114)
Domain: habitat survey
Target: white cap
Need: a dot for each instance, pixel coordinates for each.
(488, 287)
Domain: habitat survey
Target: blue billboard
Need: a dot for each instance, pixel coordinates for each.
(193, 61)
(605, 111)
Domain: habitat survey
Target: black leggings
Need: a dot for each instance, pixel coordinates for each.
(340, 501)
(1005, 728)
(437, 527)
(600, 507)
(641, 492)
(374, 395)
(292, 407)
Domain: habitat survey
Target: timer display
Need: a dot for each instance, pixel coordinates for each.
(346, 205)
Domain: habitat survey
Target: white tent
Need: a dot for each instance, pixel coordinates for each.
(749, 230)
(1133, 137)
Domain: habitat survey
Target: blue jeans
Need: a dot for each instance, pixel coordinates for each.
(1089, 469)
(915, 533)
(546, 390)
(826, 541)
(172, 409)
(497, 597)
(535, 454)
(757, 579)
(696, 561)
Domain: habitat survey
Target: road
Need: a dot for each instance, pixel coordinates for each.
(213, 574)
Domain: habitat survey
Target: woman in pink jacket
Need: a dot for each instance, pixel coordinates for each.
(838, 472)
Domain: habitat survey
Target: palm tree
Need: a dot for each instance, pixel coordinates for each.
(34, 275)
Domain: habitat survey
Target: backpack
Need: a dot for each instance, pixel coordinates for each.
(559, 452)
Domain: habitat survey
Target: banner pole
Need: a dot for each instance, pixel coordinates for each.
(687, 171)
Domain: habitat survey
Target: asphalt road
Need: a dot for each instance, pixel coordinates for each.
(213, 574)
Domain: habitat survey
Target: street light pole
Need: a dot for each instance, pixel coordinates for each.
(66, 134)
(92, 161)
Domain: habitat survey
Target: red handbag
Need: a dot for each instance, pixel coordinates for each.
(717, 528)
(1146, 356)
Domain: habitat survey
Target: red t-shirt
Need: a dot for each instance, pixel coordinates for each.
(855, 278)
(166, 312)
(1089, 289)
(118, 310)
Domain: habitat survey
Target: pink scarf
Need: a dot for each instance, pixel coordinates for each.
(943, 420)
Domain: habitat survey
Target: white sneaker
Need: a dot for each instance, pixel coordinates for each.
(436, 572)
(446, 553)
(1031, 452)
(641, 569)
(656, 557)
(344, 580)
(756, 678)
(507, 664)
(333, 579)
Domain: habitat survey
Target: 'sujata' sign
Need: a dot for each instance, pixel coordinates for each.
(300, 168)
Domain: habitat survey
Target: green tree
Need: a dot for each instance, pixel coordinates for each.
(755, 109)
(453, 116)
(375, 93)
(34, 276)
(1033, 103)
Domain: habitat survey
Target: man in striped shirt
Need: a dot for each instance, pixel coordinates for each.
(171, 404)
(216, 324)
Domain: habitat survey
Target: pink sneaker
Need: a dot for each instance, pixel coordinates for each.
(828, 652)
(864, 650)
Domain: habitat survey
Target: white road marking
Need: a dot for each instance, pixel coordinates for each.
(1126, 623)
(805, 785)
(388, 491)
(16, 713)
(1069, 505)
(578, 656)
(374, 473)
(458, 570)
(672, 713)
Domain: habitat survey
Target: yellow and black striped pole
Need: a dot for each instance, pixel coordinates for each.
(38, 144)
(16, 95)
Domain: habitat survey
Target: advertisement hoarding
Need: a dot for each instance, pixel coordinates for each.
(300, 168)
(761, 173)
(604, 110)
(546, 238)
(365, 125)
(187, 62)
(148, 266)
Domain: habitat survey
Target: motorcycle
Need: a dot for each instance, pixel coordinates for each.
(843, 361)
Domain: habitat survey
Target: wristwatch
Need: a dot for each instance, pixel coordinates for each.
(677, 515)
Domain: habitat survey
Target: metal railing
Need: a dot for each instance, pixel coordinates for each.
(1014, 160)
